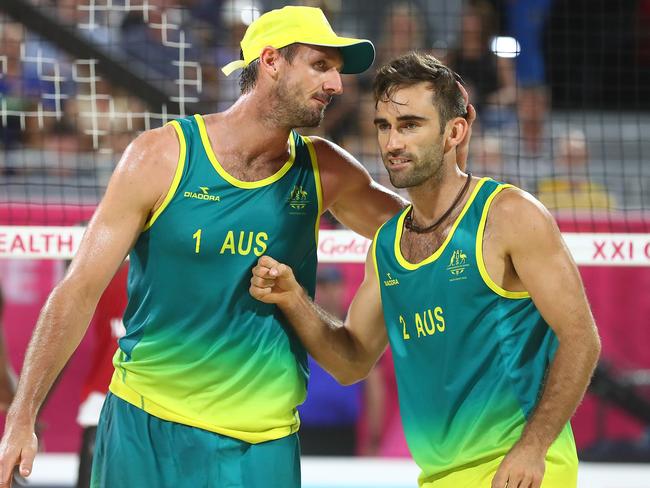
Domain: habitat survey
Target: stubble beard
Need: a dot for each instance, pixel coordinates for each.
(426, 168)
(287, 111)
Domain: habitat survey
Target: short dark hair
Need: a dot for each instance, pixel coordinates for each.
(413, 68)
(248, 75)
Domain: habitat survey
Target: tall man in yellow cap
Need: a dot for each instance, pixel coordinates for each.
(207, 379)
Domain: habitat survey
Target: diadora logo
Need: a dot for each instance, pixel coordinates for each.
(298, 200)
(204, 194)
(457, 264)
(390, 281)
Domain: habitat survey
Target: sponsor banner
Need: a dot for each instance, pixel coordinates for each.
(609, 249)
(342, 246)
(335, 246)
(34, 242)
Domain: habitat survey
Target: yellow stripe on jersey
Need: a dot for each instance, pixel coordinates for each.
(317, 181)
(119, 388)
(400, 225)
(246, 185)
(177, 175)
(479, 253)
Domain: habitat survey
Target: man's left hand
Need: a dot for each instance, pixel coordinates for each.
(523, 467)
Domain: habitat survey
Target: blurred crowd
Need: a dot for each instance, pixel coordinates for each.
(65, 107)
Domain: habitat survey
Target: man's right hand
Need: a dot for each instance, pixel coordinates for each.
(274, 282)
(17, 448)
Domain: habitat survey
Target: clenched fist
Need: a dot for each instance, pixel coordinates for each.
(273, 282)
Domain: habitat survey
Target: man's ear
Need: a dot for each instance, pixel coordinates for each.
(455, 133)
(269, 60)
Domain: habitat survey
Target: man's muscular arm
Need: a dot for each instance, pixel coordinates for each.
(137, 186)
(349, 192)
(346, 350)
(530, 238)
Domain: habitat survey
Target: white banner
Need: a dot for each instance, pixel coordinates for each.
(18, 242)
(335, 246)
(609, 249)
(344, 246)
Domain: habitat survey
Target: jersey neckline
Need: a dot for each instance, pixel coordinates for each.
(207, 146)
(400, 226)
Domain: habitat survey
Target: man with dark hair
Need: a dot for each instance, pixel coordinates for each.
(207, 379)
(415, 68)
(491, 333)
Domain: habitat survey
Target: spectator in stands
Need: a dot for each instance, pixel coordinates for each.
(404, 29)
(490, 78)
(572, 187)
(36, 80)
(361, 140)
(89, 23)
(18, 90)
(105, 116)
(159, 42)
(526, 19)
(330, 413)
(233, 18)
(60, 146)
(487, 157)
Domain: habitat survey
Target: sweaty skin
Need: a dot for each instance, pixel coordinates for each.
(523, 250)
(138, 187)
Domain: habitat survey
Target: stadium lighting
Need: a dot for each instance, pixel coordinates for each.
(249, 13)
(505, 47)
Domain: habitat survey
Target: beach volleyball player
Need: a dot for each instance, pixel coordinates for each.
(207, 379)
(491, 333)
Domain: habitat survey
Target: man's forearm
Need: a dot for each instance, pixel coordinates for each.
(326, 339)
(60, 327)
(566, 383)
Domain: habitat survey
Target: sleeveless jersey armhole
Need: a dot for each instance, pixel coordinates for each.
(317, 182)
(479, 252)
(177, 175)
(374, 257)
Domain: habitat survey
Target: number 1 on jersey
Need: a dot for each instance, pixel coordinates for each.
(197, 236)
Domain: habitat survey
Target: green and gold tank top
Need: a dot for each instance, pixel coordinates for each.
(198, 349)
(470, 357)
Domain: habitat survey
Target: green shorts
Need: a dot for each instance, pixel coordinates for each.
(137, 450)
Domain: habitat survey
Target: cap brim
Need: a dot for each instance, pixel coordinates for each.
(358, 54)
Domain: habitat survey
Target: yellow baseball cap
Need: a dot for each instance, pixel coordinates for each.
(306, 25)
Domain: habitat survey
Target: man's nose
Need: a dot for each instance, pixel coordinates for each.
(334, 84)
(395, 143)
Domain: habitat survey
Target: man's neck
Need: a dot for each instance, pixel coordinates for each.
(245, 128)
(435, 196)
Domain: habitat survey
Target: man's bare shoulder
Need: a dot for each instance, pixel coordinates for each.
(518, 217)
(153, 151)
(145, 172)
(332, 155)
(513, 202)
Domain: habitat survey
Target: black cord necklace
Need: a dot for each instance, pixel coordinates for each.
(412, 226)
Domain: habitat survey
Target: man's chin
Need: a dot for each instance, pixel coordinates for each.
(314, 121)
(398, 182)
(402, 181)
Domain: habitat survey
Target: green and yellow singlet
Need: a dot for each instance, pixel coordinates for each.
(470, 357)
(198, 349)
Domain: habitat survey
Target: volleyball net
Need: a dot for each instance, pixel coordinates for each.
(562, 90)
